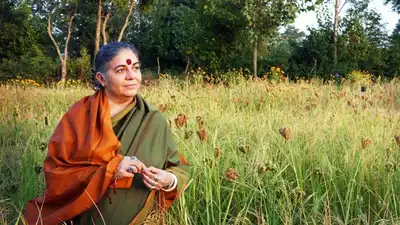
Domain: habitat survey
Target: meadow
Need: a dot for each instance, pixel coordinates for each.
(262, 152)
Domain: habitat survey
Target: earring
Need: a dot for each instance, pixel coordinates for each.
(104, 85)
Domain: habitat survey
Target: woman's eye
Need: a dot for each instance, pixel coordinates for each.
(136, 67)
(120, 70)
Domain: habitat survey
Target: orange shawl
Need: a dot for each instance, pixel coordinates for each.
(80, 163)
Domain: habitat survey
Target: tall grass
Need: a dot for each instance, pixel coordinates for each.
(323, 173)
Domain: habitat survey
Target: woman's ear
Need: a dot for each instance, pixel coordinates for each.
(100, 79)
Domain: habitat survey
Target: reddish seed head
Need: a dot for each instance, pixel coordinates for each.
(128, 61)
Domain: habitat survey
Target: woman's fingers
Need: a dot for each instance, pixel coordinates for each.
(146, 183)
(132, 169)
(151, 184)
(147, 178)
(153, 170)
(162, 177)
(139, 165)
(128, 167)
(149, 174)
(124, 173)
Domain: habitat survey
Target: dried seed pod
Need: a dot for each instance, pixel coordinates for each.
(397, 139)
(208, 161)
(231, 175)
(163, 107)
(218, 152)
(365, 142)
(268, 166)
(311, 106)
(350, 103)
(244, 148)
(389, 152)
(181, 120)
(43, 146)
(38, 169)
(201, 122)
(285, 132)
(202, 135)
(391, 167)
(188, 134)
(297, 193)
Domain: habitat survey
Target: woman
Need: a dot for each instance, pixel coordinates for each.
(112, 159)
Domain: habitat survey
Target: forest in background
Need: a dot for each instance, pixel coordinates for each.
(177, 36)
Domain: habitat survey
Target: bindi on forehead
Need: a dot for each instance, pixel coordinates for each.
(128, 61)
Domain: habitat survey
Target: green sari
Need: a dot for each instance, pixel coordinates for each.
(143, 132)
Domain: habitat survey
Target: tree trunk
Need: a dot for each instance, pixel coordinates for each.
(63, 59)
(103, 31)
(335, 33)
(98, 26)
(63, 72)
(187, 65)
(50, 33)
(255, 58)
(81, 74)
(121, 34)
(64, 62)
(158, 66)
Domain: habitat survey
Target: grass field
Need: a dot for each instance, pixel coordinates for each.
(302, 153)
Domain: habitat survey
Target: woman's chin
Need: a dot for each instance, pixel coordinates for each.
(130, 93)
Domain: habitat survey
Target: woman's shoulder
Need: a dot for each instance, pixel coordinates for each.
(82, 104)
(157, 114)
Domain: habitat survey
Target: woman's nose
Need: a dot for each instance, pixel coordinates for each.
(130, 74)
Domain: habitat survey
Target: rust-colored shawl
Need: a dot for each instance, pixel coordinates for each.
(80, 163)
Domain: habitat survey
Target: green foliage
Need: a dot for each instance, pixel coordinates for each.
(359, 77)
(217, 35)
(280, 49)
(79, 68)
(393, 54)
(38, 67)
(313, 56)
(18, 33)
(362, 43)
(395, 4)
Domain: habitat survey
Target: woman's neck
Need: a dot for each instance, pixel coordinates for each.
(118, 104)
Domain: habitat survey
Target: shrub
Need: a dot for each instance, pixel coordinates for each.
(359, 77)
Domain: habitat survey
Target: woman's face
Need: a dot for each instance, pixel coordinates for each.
(123, 76)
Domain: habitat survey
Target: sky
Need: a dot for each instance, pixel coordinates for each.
(388, 16)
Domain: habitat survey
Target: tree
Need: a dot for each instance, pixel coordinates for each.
(280, 48)
(361, 44)
(393, 54)
(395, 4)
(263, 17)
(98, 25)
(68, 12)
(22, 43)
(185, 31)
(17, 33)
(364, 38)
(119, 8)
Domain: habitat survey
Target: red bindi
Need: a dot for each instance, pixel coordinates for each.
(128, 61)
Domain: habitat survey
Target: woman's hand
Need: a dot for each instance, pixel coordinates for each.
(156, 179)
(129, 166)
